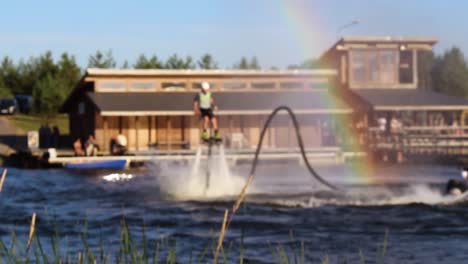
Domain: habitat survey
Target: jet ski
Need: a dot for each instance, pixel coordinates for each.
(458, 187)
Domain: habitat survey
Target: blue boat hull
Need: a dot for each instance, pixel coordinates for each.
(105, 164)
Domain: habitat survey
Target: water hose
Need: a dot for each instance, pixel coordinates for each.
(312, 172)
(241, 197)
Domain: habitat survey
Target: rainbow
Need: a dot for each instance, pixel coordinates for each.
(305, 25)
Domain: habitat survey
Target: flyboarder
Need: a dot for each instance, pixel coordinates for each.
(457, 187)
(204, 105)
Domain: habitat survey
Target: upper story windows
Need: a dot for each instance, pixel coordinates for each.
(381, 68)
(231, 84)
(374, 67)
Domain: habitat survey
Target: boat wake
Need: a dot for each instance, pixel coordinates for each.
(362, 196)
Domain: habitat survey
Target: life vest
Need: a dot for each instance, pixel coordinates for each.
(205, 100)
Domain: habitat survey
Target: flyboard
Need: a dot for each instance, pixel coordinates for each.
(210, 143)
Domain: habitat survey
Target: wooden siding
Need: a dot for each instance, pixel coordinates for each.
(169, 132)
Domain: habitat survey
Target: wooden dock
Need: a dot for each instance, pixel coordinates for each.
(318, 155)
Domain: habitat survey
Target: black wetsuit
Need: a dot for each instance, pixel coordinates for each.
(454, 184)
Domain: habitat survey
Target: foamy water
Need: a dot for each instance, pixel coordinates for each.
(115, 177)
(207, 179)
(202, 179)
(415, 194)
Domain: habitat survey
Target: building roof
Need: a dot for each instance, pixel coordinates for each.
(181, 103)
(388, 39)
(94, 72)
(418, 42)
(410, 99)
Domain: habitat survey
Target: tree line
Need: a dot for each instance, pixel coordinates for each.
(50, 81)
(445, 73)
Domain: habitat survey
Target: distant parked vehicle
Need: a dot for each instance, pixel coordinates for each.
(7, 106)
(24, 103)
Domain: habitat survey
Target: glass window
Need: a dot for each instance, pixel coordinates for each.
(373, 66)
(358, 66)
(291, 85)
(263, 85)
(142, 85)
(234, 85)
(111, 85)
(406, 66)
(388, 67)
(173, 86)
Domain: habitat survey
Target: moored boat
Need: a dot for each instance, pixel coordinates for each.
(117, 164)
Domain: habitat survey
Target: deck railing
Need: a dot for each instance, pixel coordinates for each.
(421, 139)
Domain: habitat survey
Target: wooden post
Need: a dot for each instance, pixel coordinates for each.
(168, 130)
(106, 128)
(157, 128)
(136, 133)
(182, 128)
(150, 124)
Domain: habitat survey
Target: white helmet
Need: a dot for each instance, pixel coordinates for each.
(465, 173)
(205, 86)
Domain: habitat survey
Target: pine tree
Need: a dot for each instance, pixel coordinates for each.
(207, 62)
(101, 60)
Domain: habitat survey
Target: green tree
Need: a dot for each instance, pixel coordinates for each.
(28, 72)
(307, 64)
(243, 64)
(101, 60)
(46, 65)
(145, 63)
(175, 62)
(207, 62)
(10, 75)
(4, 91)
(69, 73)
(125, 65)
(254, 65)
(48, 94)
(426, 60)
(310, 64)
(450, 73)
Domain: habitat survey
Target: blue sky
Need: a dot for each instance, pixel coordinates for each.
(226, 29)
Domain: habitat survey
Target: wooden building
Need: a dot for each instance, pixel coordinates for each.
(382, 74)
(368, 78)
(154, 108)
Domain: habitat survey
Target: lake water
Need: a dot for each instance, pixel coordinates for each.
(285, 207)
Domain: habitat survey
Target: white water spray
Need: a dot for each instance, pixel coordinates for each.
(189, 182)
(115, 177)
